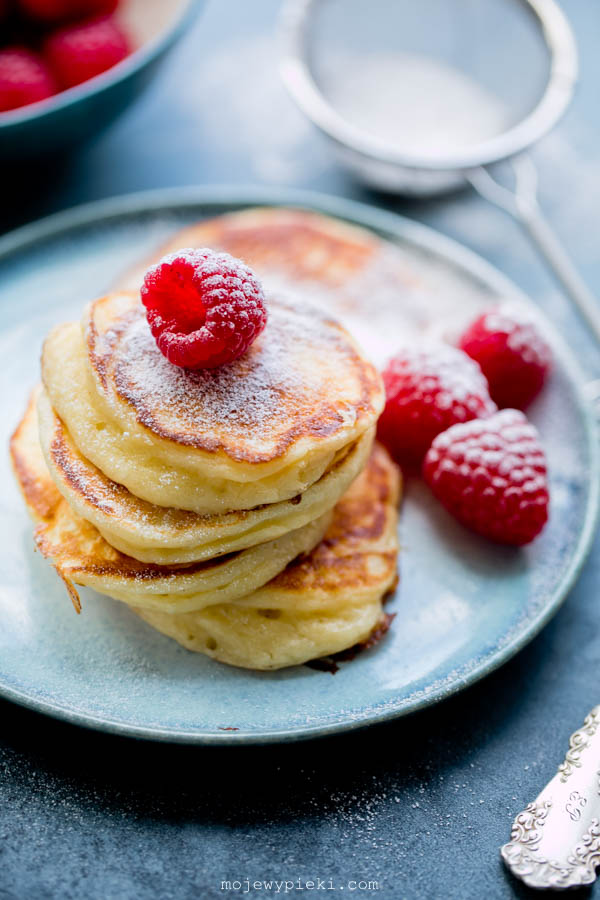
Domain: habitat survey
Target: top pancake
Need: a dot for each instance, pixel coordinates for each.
(261, 430)
(302, 381)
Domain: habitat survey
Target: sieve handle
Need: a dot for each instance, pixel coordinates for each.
(522, 203)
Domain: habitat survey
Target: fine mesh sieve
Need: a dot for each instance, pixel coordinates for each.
(420, 98)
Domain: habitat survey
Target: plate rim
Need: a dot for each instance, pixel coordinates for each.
(392, 226)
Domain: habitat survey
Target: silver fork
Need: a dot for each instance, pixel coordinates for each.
(555, 841)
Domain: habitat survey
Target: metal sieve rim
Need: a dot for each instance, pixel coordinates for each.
(299, 81)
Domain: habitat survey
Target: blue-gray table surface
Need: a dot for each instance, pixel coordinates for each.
(419, 806)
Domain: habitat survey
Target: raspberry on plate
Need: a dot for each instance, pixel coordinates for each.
(80, 52)
(429, 388)
(491, 475)
(56, 11)
(24, 78)
(513, 355)
(204, 308)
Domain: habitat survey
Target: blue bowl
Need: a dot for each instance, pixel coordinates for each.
(78, 113)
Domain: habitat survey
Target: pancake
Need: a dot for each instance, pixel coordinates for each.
(326, 601)
(212, 478)
(82, 556)
(369, 284)
(169, 536)
(322, 603)
(310, 247)
(258, 431)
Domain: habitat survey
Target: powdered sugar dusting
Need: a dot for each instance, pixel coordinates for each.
(248, 401)
(395, 297)
(241, 394)
(302, 376)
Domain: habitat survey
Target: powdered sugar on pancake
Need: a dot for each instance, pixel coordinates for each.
(395, 298)
(244, 393)
(302, 377)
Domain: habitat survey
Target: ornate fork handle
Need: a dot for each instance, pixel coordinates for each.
(555, 841)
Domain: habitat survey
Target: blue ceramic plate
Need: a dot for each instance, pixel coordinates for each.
(463, 606)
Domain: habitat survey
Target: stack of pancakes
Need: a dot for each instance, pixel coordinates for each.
(241, 510)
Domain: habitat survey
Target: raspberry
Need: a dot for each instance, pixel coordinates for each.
(512, 354)
(55, 11)
(429, 388)
(79, 52)
(204, 308)
(491, 475)
(24, 78)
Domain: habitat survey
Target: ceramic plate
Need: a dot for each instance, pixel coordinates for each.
(463, 605)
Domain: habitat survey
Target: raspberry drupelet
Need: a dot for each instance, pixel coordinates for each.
(204, 308)
(490, 474)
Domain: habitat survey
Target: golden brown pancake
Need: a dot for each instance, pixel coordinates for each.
(82, 556)
(303, 378)
(323, 603)
(326, 601)
(309, 247)
(260, 430)
(171, 536)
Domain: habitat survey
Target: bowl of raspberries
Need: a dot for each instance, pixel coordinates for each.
(69, 67)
